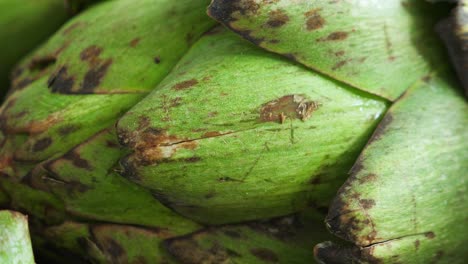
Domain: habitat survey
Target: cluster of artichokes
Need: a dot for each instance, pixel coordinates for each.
(161, 131)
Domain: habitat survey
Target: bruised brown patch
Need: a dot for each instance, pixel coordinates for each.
(60, 81)
(93, 77)
(185, 85)
(41, 63)
(335, 36)
(187, 250)
(382, 127)
(430, 235)
(72, 28)
(277, 18)
(157, 60)
(211, 134)
(134, 42)
(368, 178)
(91, 54)
(67, 129)
(339, 64)
(153, 145)
(314, 20)
(417, 243)
(367, 203)
(265, 255)
(289, 106)
(42, 144)
(339, 53)
(77, 161)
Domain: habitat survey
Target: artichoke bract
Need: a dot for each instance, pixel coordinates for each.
(15, 244)
(155, 135)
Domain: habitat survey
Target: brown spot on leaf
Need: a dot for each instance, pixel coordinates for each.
(61, 82)
(417, 243)
(134, 42)
(41, 63)
(368, 178)
(339, 53)
(157, 60)
(67, 129)
(42, 144)
(91, 54)
(184, 85)
(277, 18)
(367, 203)
(94, 76)
(382, 127)
(289, 106)
(339, 64)
(211, 134)
(77, 161)
(265, 254)
(113, 248)
(187, 250)
(314, 20)
(430, 235)
(72, 27)
(335, 36)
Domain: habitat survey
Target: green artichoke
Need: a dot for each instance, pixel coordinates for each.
(155, 135)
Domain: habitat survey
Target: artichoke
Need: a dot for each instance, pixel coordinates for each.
(156, 135)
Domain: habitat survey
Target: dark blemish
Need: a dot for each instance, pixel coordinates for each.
(232, 234)
(20, 84)
(247, 34)
(41, 63)
(430, 235)
(427, 78)
(77, 161)
(94, 76)
(290, 56)
(264, 254)
(339, 53)
(438, 255)
(382, 127)
(210, 195)
(157, 60)
(368, 178)
(184, 85)
(277, 18)
(143, 122)
(212, 114)
(335, 36)
(42, 144)
(228, 179)
(114, 249)
(91, 54)
(388, 44)
(60, 81)
(367, 203)
(288, 106)
(134, 42)
(339, 65)
(416, 244)
(274, 41)
(314, 20)
(67, 129)
(69, 29)
(111, 144)
(315, 180)
(211, 134)
(192, 159)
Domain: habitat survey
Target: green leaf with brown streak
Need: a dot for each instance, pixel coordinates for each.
(286, 239)
(81, 82)
(15, 243)
(102, 243)
(454, 32)
(381, 47)
(243, 134)
(406, 199)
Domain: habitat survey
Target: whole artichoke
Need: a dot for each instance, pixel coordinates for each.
(156, 135)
